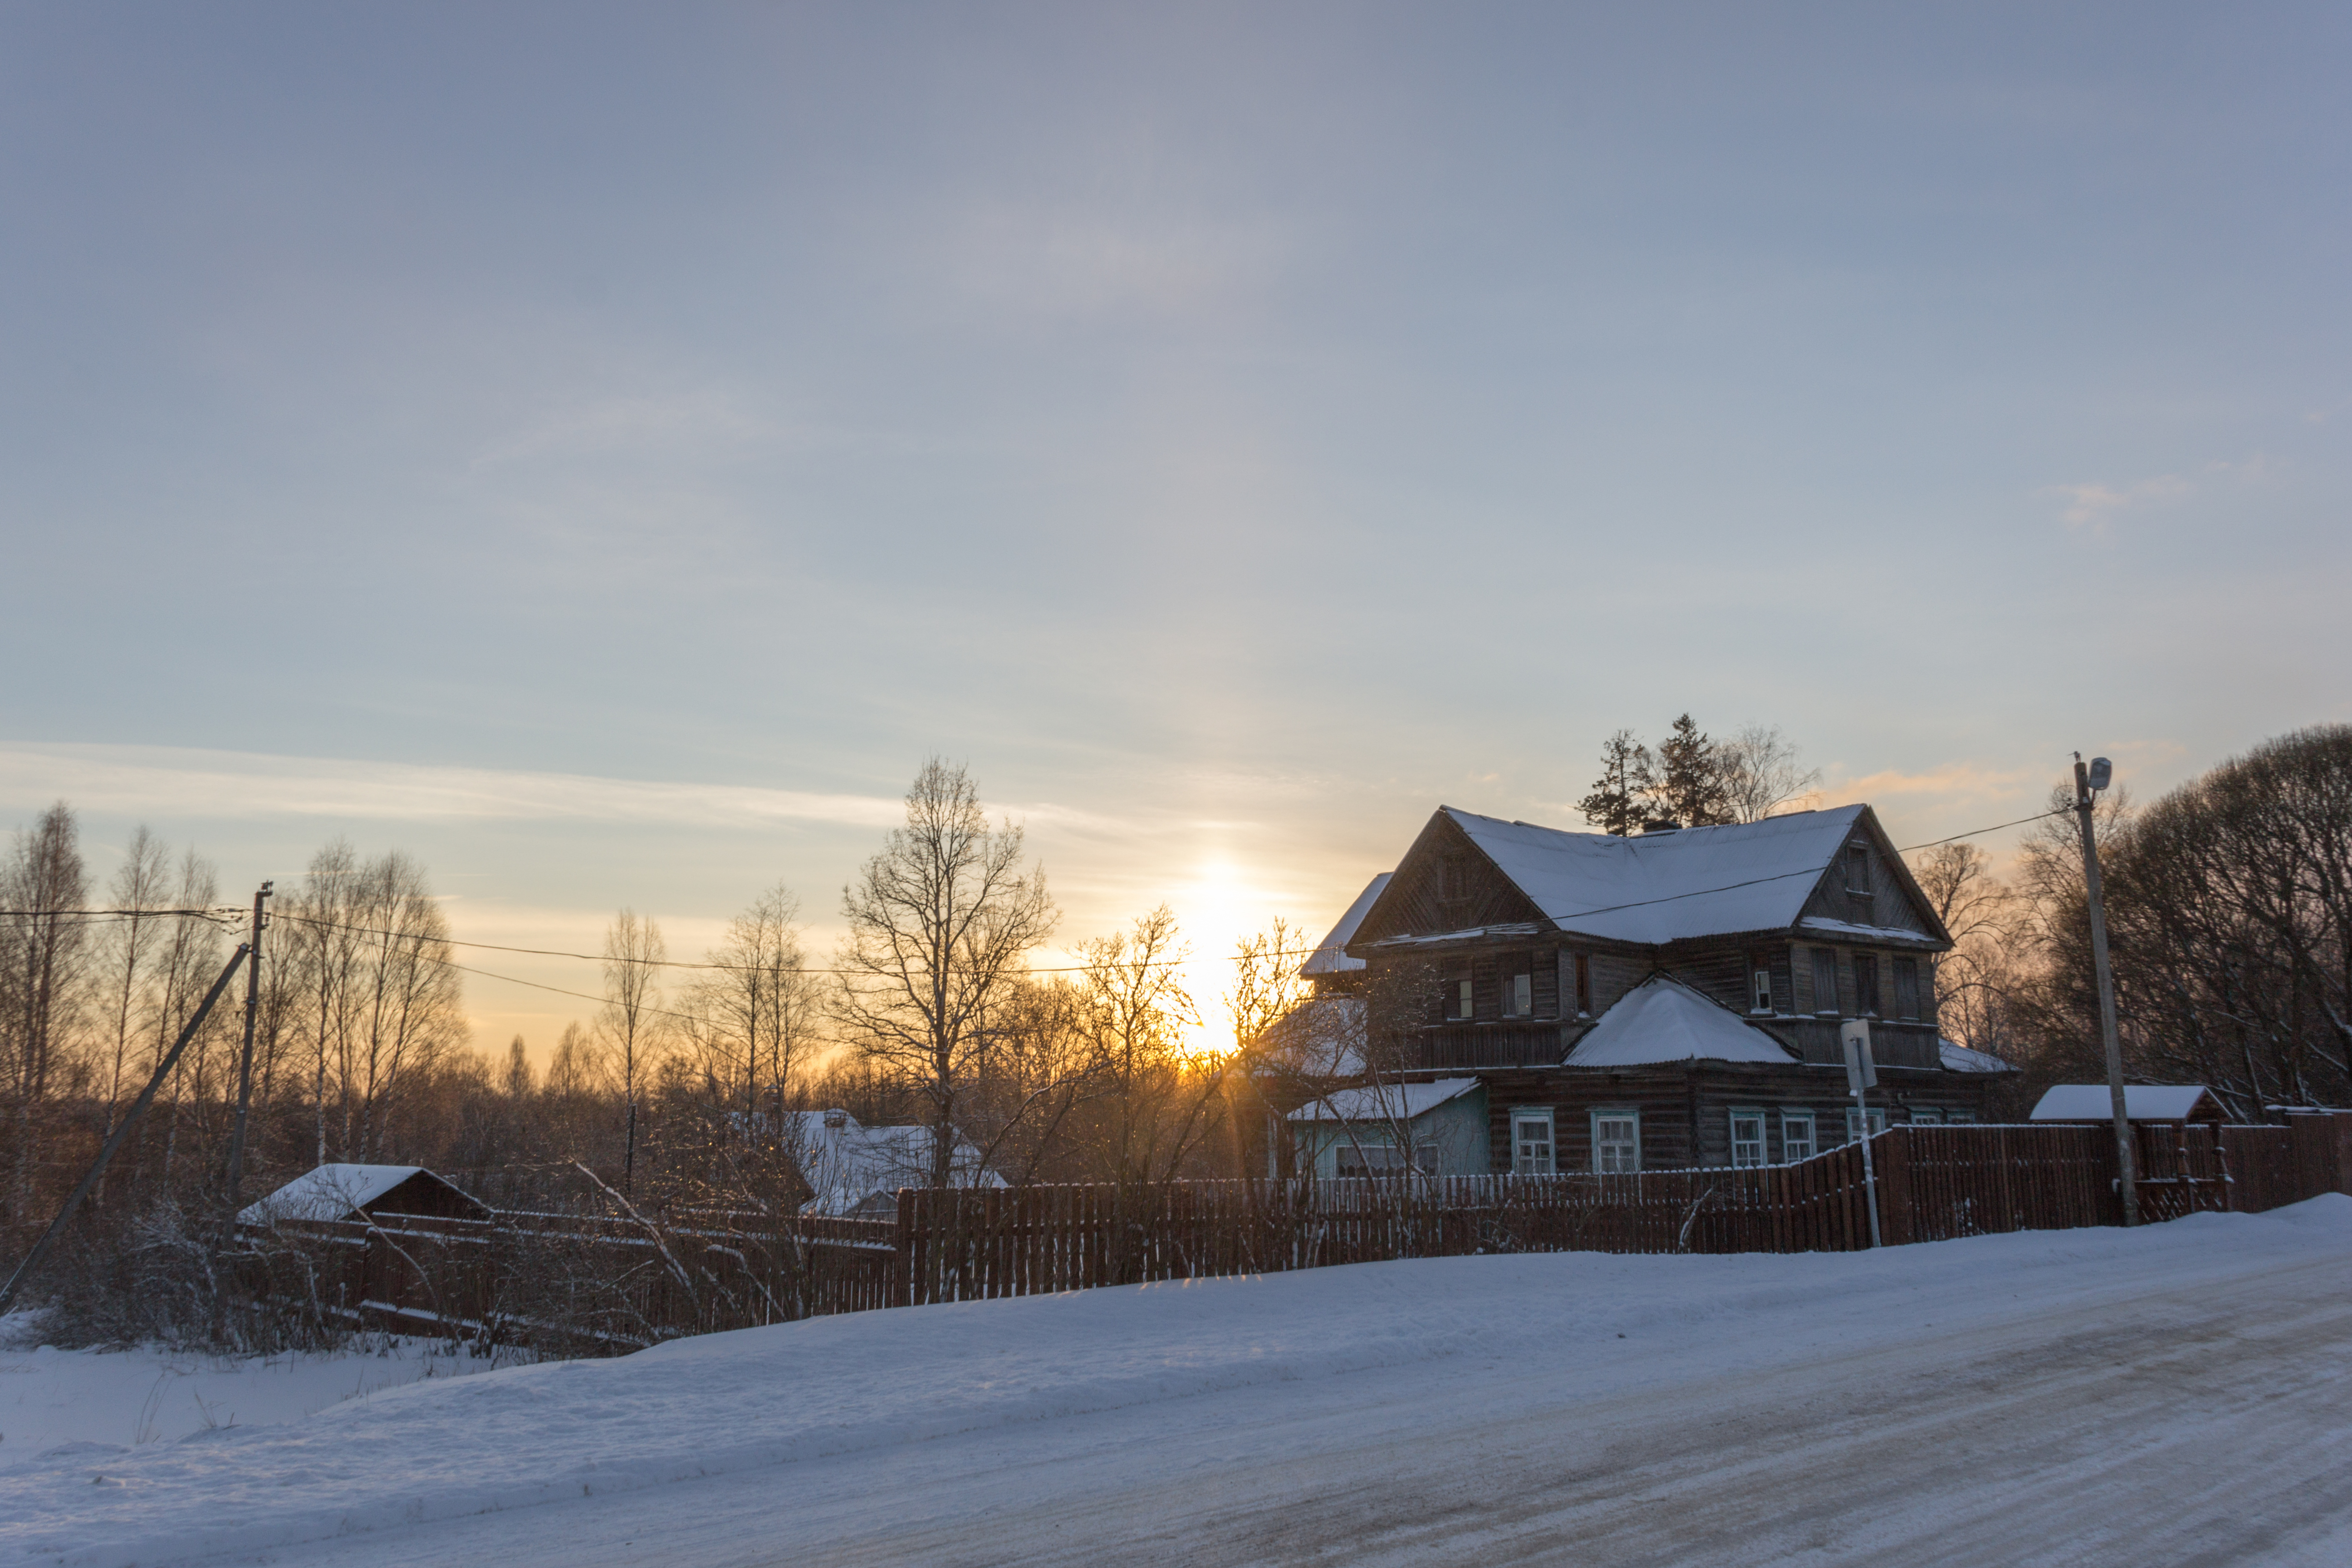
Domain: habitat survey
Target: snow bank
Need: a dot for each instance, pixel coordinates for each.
(877, 1380)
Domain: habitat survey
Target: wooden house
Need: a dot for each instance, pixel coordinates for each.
(1658, 1001)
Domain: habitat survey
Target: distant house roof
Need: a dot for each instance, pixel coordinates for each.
(1330, 956)
(2142, 1102)
(338, 1192)
(1670, 887)
(1663, 1020)
(1384, 1102)
(854, 1168)
(1323, 1036)
(1959, 1058)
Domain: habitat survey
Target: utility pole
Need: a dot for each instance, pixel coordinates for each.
(245, 1058)
(2088, 782)
(122, 1131)
(1861, 1076)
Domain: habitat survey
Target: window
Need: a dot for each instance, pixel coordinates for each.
(1926, 1116)
(1796, 1135)
(1518, 996)
(1460, 999)
(1356, 1158)
(1959, 1118)
(1760, 984)
(1584, 984)
(1616, 1140)
(1907, 987)
(1747, 1137)
(1825, 997)
(1531, 1143)
(1865, 984)
(1857, 870)
(1853, 1123)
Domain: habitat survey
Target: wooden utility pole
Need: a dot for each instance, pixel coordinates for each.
(2088, 782)
(245, 1058)
(122, 1131)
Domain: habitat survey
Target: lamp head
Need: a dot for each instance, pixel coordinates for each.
(2103, 773)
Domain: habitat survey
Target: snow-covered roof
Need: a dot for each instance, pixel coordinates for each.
(853, 1165)
(1329, 956)
(1885, 936)
(1959, 1058)
(1384, 1102)
(1663, 1020)
(1323, 1036)
(2142, 1102)
(331, 1192)
(1666, 887)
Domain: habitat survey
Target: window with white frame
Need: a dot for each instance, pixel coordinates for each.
(1796, 1135)
(1957, 1117)
(1760, 985)
(1532, 1140)
(1747, 1137)
(1616, 1140)
(1926, 1116)
(1461, 999)
(1853, 1124)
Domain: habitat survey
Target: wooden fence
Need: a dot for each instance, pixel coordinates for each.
(586, 1284)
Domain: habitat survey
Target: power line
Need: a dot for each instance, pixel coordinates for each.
(225, 914)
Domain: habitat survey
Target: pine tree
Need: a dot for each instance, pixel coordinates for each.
(1690, 783)
(1619, 798)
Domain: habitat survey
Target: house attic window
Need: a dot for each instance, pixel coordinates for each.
(1906, 989)
(1857, 870)
(1825, 997)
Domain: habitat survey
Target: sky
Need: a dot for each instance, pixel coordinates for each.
(604, 450)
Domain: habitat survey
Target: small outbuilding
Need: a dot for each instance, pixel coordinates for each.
(1358, 1131)
(2173, 1102)
(364, 1192)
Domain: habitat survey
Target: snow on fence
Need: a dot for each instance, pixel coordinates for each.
(593, 1284)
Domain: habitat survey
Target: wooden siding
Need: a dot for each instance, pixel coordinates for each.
(1424, 898)
(1686, 1108)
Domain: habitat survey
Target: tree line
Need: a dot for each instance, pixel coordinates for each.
(684, 1086)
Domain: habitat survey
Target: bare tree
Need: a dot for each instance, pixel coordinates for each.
(939, 923)
(1760, 774)
(1133, 1009)
(635, 1029)
(126, 963)
(754, 1014)
(1269, 987)
(44, 966)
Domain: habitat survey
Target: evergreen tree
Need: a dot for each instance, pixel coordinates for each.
(1690, 779)
(1619, 798)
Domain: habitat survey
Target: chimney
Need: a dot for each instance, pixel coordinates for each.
(836, 1118)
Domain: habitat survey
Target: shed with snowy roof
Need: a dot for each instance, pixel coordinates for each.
(362, 1192)
(2142, 1102)
(1667, 999)
(1438, 1126)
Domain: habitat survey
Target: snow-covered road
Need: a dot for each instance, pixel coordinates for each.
(2174, 1396)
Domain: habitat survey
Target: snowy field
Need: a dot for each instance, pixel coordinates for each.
(2182, 1395)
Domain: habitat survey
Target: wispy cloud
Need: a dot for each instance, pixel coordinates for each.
(238, 785)
(2093, 506)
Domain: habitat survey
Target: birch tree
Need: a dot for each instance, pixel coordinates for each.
(939, 924)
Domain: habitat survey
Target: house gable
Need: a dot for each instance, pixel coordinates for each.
(1444, 883)
(1869, 889)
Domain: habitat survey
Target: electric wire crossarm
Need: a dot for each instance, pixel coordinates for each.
(139, 1109)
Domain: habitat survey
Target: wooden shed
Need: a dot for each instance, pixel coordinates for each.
(362, 1192)
(2142, 1102)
